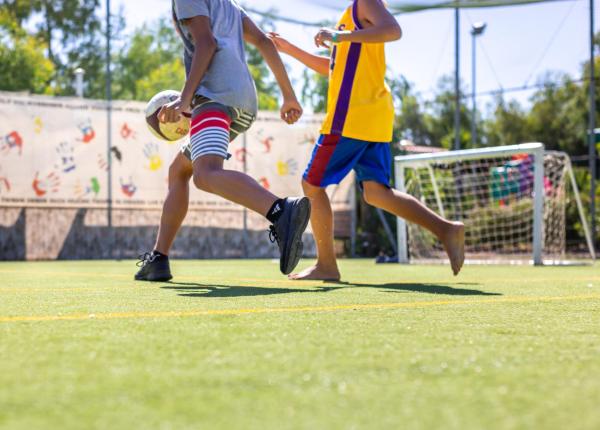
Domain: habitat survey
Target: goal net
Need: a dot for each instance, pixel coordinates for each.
(512, 200)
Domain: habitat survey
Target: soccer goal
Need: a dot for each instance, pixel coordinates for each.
(512, 199)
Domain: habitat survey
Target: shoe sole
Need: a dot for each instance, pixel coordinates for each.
(160, 277)
(294, 247)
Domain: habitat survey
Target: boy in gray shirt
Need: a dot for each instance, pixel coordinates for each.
(221, 95)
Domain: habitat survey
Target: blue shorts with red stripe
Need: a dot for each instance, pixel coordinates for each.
(335, 156)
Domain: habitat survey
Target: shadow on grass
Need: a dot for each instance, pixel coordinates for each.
(423, 288)
(187, 289)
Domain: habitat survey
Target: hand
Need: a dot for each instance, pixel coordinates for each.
(291, 111)
(280, 43)
(324, 38)
(171, 112)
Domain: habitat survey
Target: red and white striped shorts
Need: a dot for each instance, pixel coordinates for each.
(213, 127)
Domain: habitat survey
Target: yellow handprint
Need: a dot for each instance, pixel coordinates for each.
(154, 159)
(285, 168)
(39, 125)
(155, 162)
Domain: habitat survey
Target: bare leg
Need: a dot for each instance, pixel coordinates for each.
(176, 204)
(236, 187)
(321, 220)
(451, 234)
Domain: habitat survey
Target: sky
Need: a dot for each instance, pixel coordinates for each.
(519, 45)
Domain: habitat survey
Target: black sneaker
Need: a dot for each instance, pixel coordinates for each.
(153, 268)
(287, 231)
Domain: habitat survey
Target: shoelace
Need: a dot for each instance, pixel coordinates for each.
(273, 236)
(145, 258)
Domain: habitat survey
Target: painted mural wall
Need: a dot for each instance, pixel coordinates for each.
(54, 178)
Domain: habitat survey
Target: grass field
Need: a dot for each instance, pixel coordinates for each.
(232, 344)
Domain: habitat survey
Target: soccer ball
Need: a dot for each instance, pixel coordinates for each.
(170, 132)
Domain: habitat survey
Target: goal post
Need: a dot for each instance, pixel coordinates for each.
(512, 200)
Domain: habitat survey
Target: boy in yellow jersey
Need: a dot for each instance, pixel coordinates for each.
(357, 132)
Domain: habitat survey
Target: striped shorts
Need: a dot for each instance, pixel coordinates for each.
(213, 126)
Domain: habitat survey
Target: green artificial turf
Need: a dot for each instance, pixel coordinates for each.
(232, 344)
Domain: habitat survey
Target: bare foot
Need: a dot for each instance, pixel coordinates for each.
(454, 244)
(316, 273)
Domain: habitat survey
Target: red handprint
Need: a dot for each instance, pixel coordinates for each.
(10, 141)
(51, 182)
(127, 132)
(87, 131)
(4, 183)
(128, 189)
(241, 155)
(309, 139)
(267, 142)
(102, 163)
(265, 183)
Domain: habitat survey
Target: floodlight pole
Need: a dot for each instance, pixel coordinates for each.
(591, 128)
(457, 77)
(473, 90)
(245, 211)
(109, 133)
(476, 29)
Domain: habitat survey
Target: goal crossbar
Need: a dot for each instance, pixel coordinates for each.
(469, 154)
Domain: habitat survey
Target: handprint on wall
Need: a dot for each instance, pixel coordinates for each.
(286, 168)
(102, 163)
(155, 161)
(129, 189)
(38, 125)
(266, 141)
(66, 157)
(241, 155)
(264, 182)
(92, 187)
(49, 183)
(87, 131)
(308, 139)
(11, 141)
(4, 183)
(127, 132)
(116, 152)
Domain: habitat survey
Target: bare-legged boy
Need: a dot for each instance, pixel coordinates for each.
(221, 95)
(357, 132)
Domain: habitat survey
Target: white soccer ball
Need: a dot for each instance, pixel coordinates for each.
(170, 132)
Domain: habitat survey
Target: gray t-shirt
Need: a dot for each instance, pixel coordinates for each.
(228, 80)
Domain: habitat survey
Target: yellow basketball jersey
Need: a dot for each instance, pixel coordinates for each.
(359, 102)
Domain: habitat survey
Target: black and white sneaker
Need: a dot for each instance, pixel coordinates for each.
(153, 268)
(287, 232)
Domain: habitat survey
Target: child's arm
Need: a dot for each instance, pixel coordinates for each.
(291, 111)
(316, 62)
(382, 27)
(205, 48)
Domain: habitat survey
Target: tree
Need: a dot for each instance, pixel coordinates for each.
(151, 61)
(557, 117)
(439, 118)
(507, 125)
(23, 66)
(70, 32)
(410, 119)
(314, 90)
